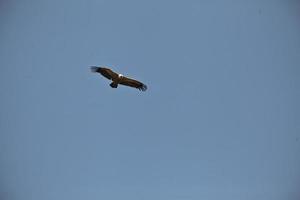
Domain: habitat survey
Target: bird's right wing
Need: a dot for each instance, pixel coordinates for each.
(107, 73)
(133, 83)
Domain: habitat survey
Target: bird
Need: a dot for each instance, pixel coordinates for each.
(117, 78)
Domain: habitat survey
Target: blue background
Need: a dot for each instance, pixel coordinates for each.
(220, 118)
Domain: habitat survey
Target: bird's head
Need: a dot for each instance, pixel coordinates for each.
(120, 75)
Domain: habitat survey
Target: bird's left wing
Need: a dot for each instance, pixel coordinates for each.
(107, 73)
(133, 83)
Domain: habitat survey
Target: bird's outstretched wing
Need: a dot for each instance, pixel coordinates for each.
(133, 83)
(107, 73)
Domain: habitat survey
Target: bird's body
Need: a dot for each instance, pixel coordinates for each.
(118, 78)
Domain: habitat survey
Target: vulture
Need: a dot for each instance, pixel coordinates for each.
(118, 78)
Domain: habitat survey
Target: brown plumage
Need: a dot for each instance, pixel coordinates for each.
(118, 78)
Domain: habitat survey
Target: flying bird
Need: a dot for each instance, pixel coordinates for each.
(118, 78)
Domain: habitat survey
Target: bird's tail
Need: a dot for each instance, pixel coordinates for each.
(95, 69)
(113, 85)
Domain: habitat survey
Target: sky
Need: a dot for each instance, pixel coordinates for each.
(220, 118)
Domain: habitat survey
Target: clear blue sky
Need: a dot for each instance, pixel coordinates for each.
(220, 120)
